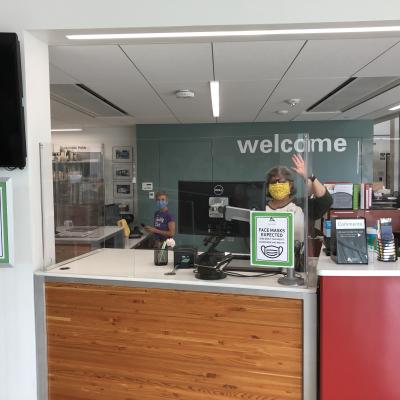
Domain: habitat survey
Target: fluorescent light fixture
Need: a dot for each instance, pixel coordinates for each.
(67, 130)
(259, 32)
(395, 108)
(214, 88)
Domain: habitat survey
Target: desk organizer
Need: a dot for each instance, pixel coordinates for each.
(386, 250)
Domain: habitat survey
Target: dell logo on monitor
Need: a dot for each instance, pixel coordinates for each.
(218, 190)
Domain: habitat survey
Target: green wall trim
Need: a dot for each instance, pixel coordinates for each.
(359, 128)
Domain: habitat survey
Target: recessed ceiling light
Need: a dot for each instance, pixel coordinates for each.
(67, 130)
(214, 89)
(282, 112)
(395, 108)
(259, 32)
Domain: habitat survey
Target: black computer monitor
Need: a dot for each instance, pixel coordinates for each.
(200, 204)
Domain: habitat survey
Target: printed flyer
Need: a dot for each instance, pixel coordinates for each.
(272, 241)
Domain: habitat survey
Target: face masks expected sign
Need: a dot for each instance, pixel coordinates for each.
(272, 240)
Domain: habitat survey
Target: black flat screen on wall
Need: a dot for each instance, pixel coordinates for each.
(199, 205)
(12, 127)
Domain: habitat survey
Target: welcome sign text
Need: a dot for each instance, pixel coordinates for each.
(288, 145)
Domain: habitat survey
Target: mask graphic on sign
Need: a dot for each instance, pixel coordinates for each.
(272, 251)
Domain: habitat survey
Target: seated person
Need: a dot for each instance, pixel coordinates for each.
(164, 222)
(281, 189)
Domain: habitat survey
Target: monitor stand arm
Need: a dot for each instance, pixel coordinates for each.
(215, 240)
(211, 256)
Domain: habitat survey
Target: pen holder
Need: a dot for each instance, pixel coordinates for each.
(386, 250)
(161, 256)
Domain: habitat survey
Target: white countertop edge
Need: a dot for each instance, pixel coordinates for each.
(173, 283)
(360, 273)
(327, 267)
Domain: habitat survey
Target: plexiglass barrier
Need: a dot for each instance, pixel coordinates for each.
(205, 181)
(81, 216)
(185, 189)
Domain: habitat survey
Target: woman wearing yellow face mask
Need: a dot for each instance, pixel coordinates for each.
(281, 190)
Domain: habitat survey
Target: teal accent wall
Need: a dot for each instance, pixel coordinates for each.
(169, 153)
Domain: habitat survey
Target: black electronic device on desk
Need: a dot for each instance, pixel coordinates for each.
(213, 272)
(185, 256)
(349, 241)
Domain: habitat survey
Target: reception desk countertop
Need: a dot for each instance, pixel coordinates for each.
(137, 267)
(327, 267)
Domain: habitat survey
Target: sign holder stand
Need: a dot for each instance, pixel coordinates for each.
(290, 279)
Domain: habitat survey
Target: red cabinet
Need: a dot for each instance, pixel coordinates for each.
(359, 338)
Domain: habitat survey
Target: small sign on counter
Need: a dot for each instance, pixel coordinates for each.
(272, 239)
(348, 241)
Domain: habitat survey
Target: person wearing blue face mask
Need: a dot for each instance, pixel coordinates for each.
(164, 222)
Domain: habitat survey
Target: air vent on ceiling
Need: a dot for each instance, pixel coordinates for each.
(354, 92)
(85, 100)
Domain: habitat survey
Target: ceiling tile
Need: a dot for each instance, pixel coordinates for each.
(382, 102)
(189, 110)
(240, 101)
(315, 116)
(156, 120)
(107, 71)
(178, 62)
(57, 76)
(388, 64)
(252, 61)
(64, 115)
(379, 114)
(337, 58)
(309, 91)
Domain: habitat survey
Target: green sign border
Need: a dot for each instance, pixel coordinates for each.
(253, 235)
(5, 259)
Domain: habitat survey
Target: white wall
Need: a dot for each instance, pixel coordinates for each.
(17, 328)
(50, 14)
(112, 136)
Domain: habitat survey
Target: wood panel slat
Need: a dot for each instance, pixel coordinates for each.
(126, 343)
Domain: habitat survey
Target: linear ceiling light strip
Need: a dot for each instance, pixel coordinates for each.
(263, 32)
